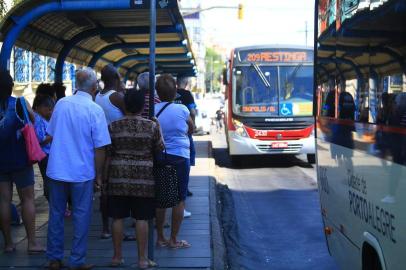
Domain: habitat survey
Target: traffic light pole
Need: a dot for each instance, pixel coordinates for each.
(189, 12)
(152, 58)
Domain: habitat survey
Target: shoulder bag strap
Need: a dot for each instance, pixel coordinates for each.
(158, 114)
(25, 112)
(163, 109)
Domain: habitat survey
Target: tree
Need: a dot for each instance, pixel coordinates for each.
(3, 9)
(16, 2)
(214, 70)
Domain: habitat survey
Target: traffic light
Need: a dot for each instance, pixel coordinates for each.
(240, 12)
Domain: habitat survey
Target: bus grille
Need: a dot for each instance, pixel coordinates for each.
(292, 148)
(294, 125)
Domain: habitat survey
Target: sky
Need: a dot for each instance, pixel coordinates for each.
(265, 22)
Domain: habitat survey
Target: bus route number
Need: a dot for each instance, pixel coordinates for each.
(277, 57)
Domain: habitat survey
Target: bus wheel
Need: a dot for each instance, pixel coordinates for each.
(311, 158)
(235, 160)
(370, 258)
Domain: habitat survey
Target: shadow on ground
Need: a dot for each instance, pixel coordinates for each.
(260, 161)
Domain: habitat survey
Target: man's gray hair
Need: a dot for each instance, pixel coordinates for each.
(86, 79)
(143, 81)
(182, 82)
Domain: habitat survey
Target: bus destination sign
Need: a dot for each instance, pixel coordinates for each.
(280, 56)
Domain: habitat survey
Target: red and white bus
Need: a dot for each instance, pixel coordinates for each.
(269, 101)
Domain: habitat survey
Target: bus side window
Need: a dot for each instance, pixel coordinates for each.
(364, 115)
(346, 106)
(329, 105)
(397, 115)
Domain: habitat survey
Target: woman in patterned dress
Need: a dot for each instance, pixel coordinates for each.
(129, 180)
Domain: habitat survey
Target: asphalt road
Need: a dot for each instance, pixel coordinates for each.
(270, 212)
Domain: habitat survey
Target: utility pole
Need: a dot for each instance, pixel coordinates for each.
(192, 11)
(306, 32)
(211, 74)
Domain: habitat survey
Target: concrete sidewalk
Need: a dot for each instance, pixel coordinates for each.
(196, 230)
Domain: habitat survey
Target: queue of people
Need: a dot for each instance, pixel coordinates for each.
(111, 145)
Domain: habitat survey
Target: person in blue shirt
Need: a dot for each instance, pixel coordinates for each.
(185, 97)
(14, 167)
(43, 106)
(176, 124)
(79, 133)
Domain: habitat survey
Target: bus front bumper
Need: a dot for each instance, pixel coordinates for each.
(239, 145)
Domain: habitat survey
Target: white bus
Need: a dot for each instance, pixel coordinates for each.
(269, 101)
(361, 132)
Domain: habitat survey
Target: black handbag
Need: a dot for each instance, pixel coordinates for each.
(166, 186)
(167, 193)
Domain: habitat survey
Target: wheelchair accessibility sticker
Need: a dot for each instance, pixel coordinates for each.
(286, 109)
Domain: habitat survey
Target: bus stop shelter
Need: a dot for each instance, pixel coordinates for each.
(135, 36)
(362, 43)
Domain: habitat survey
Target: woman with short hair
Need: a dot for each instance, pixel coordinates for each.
(130, 183)
(176, 124)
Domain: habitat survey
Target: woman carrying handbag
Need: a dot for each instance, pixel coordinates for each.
(129, 182)
(15, 166)
(176, 124)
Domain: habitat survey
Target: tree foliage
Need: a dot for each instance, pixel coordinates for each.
(15, 2)
(4, 8)
(214, 70)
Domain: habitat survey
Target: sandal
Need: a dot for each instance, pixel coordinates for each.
(129, 238)
(105, 236)
(9, 250)
(36, 251)
(150, 264)
(117, 264)
(161, 244)
(180, 244)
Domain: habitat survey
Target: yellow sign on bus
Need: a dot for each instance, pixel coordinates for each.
(277, 57)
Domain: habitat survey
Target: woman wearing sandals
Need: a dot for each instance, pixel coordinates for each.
(14, 167)
(176, 124)
(129, 180)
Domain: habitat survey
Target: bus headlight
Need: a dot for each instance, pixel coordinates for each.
(239, 128)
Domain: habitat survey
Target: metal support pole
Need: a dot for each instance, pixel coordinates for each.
(152, 40)
(315, 59)
(373, 89)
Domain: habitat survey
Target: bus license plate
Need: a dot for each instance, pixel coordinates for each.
(279, 145)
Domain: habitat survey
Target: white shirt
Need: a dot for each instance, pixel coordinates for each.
(78, 126)
(173, 122)
(111, 111)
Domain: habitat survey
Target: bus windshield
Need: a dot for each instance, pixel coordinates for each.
(265, 90)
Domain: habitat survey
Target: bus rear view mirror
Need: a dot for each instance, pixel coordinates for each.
(225, 81)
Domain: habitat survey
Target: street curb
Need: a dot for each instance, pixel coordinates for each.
(217, 241)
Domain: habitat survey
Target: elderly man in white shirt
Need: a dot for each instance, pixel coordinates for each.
(79, 130)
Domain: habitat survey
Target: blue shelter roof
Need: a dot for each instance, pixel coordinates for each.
(96, 32)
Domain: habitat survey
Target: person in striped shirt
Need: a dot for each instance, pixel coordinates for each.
(143, 85)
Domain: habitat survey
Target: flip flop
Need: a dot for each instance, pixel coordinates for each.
(180, 245)
(36, 252)
(105, 236)
(161, 244)
(129, 238)
(151, 264)
(117, 264)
